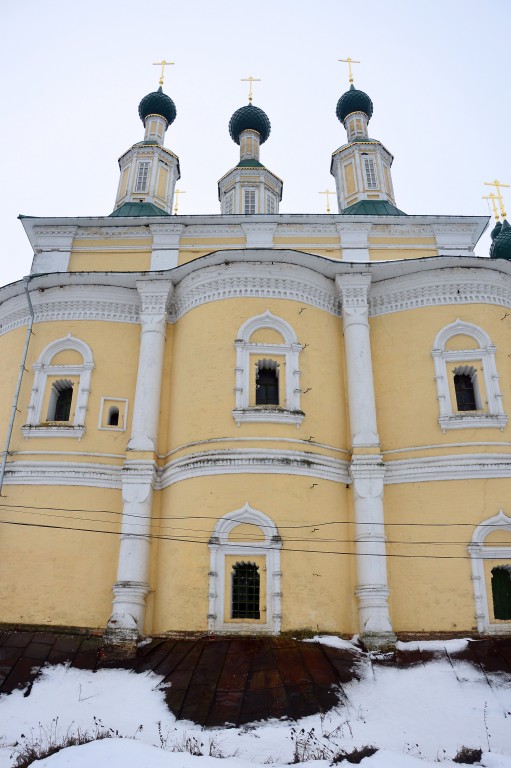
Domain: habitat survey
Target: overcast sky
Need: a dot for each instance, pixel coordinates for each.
(73, 74)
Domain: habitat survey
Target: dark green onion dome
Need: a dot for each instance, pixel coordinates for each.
(157, 103)
(354, 101)
(501, 245)
(249, 118)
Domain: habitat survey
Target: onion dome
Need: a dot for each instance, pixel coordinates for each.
(501, 245)
(249, 118)
(354, 101)
(157, 103)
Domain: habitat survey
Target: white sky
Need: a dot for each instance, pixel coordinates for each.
(74, 73)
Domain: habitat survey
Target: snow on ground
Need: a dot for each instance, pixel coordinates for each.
(336, 642)
(416, 716)
(451, 646)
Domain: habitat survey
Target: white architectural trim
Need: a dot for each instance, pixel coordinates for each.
(290, 349)
(63, 473)
(113, 400)
(450, 418)
(42, 369)
(268, 281)
(72, 302)
(439, 287)
(454, 467)
(220, 546)
(479, 553)
(253, 461)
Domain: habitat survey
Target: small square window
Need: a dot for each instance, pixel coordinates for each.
(113, 414)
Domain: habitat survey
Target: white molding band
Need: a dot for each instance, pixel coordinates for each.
(63, 473)
(454, 467)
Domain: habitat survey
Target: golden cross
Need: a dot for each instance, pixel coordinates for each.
(327, 192)
(178, 192)
(498, 184)
(349, 61)
(493, 197)
(163, 64)
(250, 80)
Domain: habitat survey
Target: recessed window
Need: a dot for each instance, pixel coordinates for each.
(501, 592)
(142, 176)
(249, 201)
(61, 396)
(245, 591)
(465, 382)
(271, 203)
(229, 202)
(113, 416)
(267, 382)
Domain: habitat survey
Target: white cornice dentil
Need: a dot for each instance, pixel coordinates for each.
(269, 281)
(72, 302)
(440, 287)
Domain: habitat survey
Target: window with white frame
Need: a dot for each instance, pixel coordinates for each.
(244, 574)
(60, 393)
(271, 203)
(370, 173)
(229, 202)
(467, 380)
(284, 387)
(249, 201)
(142, 176)
(491, 575)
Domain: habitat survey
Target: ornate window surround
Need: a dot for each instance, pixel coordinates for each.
(290, 349)
(479, 553)
(36, 425)
(220, 546)
(449, 417)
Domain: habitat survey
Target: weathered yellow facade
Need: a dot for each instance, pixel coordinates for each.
(252, 423)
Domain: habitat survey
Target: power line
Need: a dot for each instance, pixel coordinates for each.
(234, 544)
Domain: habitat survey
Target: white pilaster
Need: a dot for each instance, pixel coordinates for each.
(165, 251)
(154, 295)
(132, 585)
(367, 468)
(52, 249)
(354, 241)
(259, 234)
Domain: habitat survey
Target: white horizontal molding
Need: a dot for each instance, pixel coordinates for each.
(72, 302)
(440, 287)
(254, 461)
(261, 414)
(53, 430)
(455, 467)
(257, 280)
(63, 473)
(472, 421)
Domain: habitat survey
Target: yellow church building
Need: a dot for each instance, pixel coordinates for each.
(255, 422)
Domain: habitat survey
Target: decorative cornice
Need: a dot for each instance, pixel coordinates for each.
(77, 302)
(108, 232)
(440, 287)
(455, 467)
(269, 281)
(254, 461)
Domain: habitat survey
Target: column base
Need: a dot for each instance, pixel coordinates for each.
(379, 641)
(121, 634)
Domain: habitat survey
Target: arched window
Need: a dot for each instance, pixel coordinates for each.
(60, 393)
(245, 584)
(113, 416)
(490, 552)
(244, 574)
(59, 407)
(467, 379)
(273, 394)
(501, 591)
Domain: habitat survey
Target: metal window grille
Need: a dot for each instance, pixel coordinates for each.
(370, 171)
(245, 591)
(465, 392)
(142, 174)
(249, 201)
